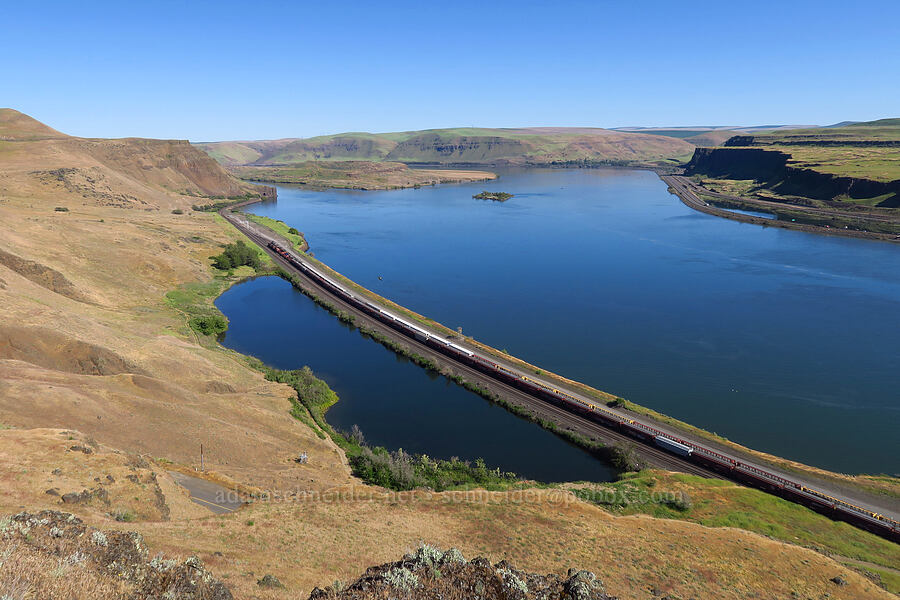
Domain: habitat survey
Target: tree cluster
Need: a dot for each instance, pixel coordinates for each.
(236, 255)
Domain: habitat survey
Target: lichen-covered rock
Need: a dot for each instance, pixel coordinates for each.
(430, 574)
(115, 555)
(269, 581)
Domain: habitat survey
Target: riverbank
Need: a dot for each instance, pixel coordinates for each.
(357, 175)
(705, 201)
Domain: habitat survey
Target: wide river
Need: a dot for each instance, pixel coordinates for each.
(785, 341)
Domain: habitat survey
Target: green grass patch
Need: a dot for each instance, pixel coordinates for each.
(717, 503)
(282, 229)
(889, 580)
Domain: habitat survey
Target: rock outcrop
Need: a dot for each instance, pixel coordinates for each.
(430, 574)
(113, 562)
(770, 167)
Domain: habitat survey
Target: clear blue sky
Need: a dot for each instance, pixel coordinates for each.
(258, 70)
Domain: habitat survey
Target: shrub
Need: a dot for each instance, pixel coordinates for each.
(177, 211)
(399, 470)
(401, 578)
(209, 325)
(236, 255)
(124, 516)
(626, 458)
(681, 502)
(61, 209)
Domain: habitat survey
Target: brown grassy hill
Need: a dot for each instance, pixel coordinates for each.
(522, 146)
(710, 138)
(63, 469)
(17, 126)
(88, 338)
(125, 173)
(94, 345)
(53, 555)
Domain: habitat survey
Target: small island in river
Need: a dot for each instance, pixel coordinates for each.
(495, 196)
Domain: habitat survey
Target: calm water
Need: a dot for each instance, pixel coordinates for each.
(752, 213)
(786, 341)
(395, 403)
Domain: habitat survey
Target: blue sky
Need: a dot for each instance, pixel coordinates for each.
(259, 70)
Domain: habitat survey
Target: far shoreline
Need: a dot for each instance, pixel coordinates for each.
(358, 175)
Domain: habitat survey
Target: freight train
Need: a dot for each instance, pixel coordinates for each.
(690, 451)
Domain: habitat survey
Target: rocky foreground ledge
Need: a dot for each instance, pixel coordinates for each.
(430, 574)
(53, 554)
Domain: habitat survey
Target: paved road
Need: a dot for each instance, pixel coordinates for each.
(213, 496)
(655, 456)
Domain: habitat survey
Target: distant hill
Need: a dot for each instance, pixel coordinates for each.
(887, 130)
(126, 173)
(16, 126)
(525, 146)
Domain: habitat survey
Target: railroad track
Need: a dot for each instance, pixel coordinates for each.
(538, 393)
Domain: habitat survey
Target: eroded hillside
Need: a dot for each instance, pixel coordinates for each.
(90, 247)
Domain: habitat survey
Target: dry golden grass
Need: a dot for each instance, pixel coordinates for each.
(29, 574)
(110, 358)
(37, 460)
(312, 543)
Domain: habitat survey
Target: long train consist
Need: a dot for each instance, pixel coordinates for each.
(690, 451)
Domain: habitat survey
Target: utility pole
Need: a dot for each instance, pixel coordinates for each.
(201, 458)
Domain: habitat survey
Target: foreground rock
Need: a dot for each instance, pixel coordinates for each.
(432, 574)
(53, 554)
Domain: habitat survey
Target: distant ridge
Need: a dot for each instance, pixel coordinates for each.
(463, 145)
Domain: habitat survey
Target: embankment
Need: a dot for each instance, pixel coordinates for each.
(771, 168)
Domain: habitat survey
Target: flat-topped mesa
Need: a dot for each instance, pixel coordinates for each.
(495, 196)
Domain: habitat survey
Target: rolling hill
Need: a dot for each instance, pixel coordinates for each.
(477, 146)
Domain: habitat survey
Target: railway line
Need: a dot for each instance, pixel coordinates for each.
(661, 445)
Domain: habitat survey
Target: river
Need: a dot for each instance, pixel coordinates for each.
(781, 340)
